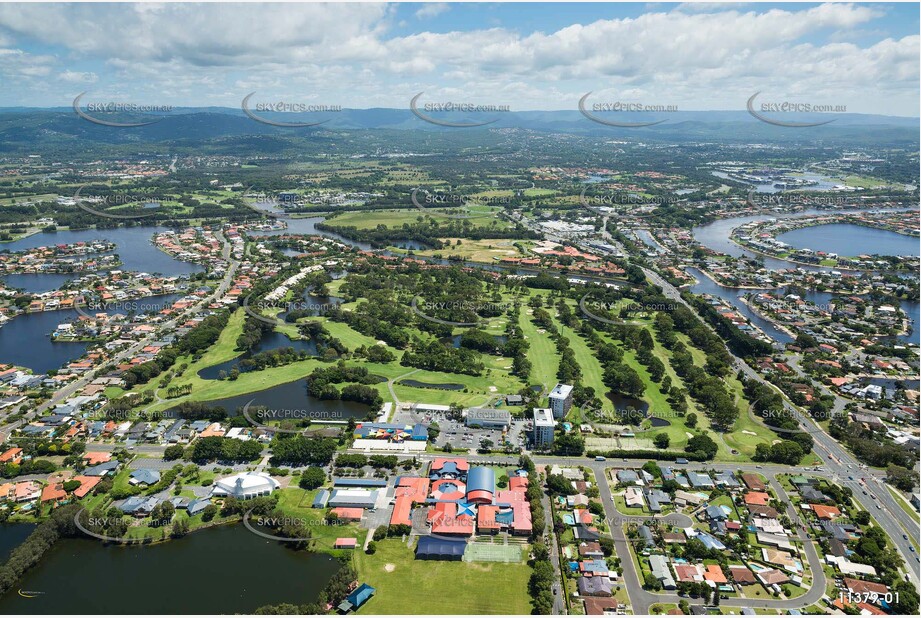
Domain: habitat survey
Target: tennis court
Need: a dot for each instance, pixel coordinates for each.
(493, 552)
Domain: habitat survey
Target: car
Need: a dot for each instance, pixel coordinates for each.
(911, 548)
(905, 536)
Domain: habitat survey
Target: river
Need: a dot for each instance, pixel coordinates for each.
(223, 570)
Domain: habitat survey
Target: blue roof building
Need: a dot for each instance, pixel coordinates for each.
(420, 432)
(481, 484)
(144, 476)
(646, 535)
(357, 598)
(197, 506)
(346, 482)
(320, 500)
(432, 548)
(710, 542)
(700, 480)
(102, 469)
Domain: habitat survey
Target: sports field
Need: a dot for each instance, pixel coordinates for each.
(409, 586)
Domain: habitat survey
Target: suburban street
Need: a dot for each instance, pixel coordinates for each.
(869, 489)
(840, 466)
(641, 599)
(77, 385)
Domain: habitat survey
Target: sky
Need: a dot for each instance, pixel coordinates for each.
(527, 56)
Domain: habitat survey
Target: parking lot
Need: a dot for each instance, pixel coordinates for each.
(462, 437)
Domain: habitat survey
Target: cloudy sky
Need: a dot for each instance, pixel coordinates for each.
(527, 56)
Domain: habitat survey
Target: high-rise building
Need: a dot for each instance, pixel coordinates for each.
(543, 426)
(561, 400)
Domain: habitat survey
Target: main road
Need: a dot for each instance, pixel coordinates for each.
(842, 467)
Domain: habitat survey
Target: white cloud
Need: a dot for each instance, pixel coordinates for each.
(432, 9)
(699, 57)
(78, 77)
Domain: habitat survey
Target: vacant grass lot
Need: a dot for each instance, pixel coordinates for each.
(409, 586)
(364, 220)
(487, 250)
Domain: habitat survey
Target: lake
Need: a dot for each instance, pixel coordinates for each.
(293, 396)
(822, 183)
(305, 226)
(25, 339)
(222, 570)
(270, 341)
(11, 537)
(132, 244)
(716, 236)
(847, 239)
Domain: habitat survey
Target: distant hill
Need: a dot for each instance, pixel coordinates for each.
(30, 128)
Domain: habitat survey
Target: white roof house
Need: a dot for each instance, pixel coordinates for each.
(245, 485)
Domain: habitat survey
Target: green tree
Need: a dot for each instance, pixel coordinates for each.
(173, 452)
(312, 478)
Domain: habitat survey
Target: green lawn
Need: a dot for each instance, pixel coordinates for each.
(621, 505)
(297, 503)
(542, 352)
(591, 368)
(409, 586)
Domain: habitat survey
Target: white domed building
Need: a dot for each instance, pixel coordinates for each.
(245, 485)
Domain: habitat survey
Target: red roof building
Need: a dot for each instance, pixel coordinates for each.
(87, 483)
(347, 514)
(410, 490)
(486, 519)
(445, 520)
(94, 459)
(13, 455)
(518, 483)
(858, 586)
(758, 498)
(825, 512)
(53, 493)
